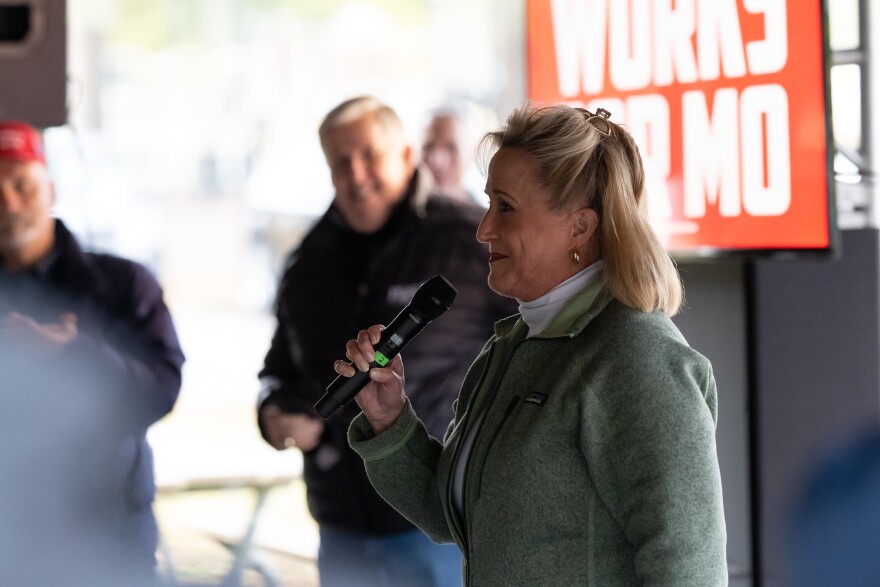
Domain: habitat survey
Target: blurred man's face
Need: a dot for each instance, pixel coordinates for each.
(370, 171)
(442, 154)
(26, 200)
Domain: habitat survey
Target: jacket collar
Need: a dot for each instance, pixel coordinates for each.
(422, 187)
(68, 263)
(570, 321)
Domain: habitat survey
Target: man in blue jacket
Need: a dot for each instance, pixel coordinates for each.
(89, 359)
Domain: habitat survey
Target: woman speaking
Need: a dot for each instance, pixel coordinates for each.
(582, 451)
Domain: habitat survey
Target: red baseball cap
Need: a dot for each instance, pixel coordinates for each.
(20, 142)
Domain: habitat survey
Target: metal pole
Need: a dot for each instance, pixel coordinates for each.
(869, 26)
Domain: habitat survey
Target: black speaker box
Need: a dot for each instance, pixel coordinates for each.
(33, 61)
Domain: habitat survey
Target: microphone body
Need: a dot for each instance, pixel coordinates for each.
(432, 299)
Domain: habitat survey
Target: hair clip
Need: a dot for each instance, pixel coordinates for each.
(599, 120)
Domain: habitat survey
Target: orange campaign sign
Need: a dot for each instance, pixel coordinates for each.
(725, 98)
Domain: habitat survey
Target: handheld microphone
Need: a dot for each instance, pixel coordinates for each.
(432, 299)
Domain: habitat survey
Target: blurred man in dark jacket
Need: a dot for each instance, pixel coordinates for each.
(89, 359)
(384, 235)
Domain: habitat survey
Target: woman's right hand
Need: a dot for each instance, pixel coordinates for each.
(383, 398)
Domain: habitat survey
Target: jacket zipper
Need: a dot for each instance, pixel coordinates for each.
(458, 521)
(513, 401)
(460, 526)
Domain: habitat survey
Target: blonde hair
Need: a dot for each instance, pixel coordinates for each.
(359, 107)
(581, 165)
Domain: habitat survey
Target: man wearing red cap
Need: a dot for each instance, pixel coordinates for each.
(25, 234)
(89, 359)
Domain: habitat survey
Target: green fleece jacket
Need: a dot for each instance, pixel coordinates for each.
(595, 463)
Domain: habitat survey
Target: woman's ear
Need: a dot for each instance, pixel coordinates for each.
(585, 223)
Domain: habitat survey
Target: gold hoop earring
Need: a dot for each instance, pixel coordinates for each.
(576, 257)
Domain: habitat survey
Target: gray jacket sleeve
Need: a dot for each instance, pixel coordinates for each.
(402, 465)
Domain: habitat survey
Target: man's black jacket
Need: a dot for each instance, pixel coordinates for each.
(339, 282)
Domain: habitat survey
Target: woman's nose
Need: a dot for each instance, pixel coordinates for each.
(485, 231)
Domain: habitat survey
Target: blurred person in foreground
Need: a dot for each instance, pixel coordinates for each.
(384, 234)
(834, 532)
(448, 147)
(582, 451)
(89, 359)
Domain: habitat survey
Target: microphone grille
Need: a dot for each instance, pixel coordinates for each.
(435, 296)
